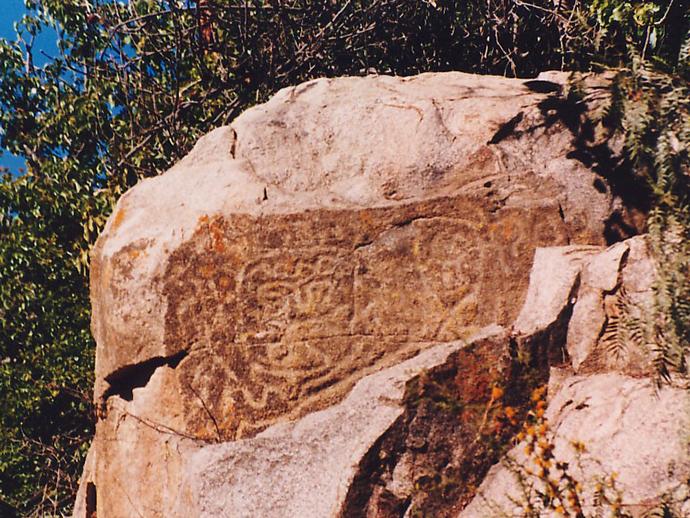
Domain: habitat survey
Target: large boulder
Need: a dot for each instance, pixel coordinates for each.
(334, 232)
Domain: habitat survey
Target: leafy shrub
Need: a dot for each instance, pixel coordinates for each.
(651, 109)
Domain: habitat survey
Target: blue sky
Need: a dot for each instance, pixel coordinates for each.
(11, 11)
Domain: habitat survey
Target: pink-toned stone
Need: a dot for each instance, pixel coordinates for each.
(335, 231)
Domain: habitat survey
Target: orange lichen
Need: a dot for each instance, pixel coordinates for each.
(118, 218)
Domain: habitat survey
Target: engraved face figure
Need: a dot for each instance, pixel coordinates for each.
(286, 312)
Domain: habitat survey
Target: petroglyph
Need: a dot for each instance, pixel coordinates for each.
(320, 238)
(286, 312)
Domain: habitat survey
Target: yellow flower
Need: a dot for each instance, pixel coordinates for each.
(538, 393)
(545, 445)
(544, 463)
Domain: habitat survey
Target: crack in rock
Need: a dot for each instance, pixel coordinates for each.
(123, 381)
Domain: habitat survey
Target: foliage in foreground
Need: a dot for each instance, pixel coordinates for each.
(550, 486)
(655, 110)
(651, 110)
(134, 84)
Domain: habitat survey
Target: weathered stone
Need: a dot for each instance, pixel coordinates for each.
(335, 231)
(616, 288)
(139, 438)
(612, 430)
(600, 276)
(421, 453)
(602, 271)
(427, 462)
(308, 468)
(639, 274)
(553, 280)
(601, 288)
(626, 430)
(304, 318)
(587, 323)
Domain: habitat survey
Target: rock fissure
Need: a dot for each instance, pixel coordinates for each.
(506, 129)
(161, 428)
(399, 224)
(434, 455)
(542, 86)
(132, 504)
(123, 381)
(233, 143)
(219, 434)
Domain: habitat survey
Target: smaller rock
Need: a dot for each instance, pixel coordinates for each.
(614, 301)
(639, 273)
(611, 430)
(586, 324)
(553, 275)
(602, 270)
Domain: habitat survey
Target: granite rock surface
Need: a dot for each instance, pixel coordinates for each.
(303, 267)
